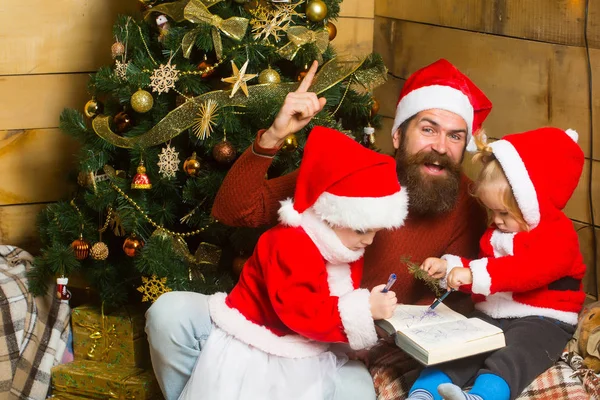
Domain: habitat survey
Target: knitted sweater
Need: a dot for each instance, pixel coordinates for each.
(246, 198)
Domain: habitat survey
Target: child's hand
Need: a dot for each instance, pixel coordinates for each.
(459, 276)
(382, 304)
(435, 267)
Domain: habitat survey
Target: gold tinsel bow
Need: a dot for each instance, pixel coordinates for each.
(97, 333)
(299, 36)
(196, 12)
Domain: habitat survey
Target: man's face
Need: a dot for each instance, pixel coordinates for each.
(430, 151)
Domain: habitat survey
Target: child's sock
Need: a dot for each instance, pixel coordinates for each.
(450, 391)
(491, 386)
(425, 386)
(420, 394)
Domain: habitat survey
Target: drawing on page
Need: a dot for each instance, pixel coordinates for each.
(436, 334)
(411, 316)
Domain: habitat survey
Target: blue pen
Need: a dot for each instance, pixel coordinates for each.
(438, 301)
(389, 284)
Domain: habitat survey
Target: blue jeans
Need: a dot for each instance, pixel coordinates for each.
(178, 325)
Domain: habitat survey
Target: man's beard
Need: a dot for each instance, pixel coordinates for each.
(428, 195)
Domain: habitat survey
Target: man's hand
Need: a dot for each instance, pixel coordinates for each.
(382, 304)
(298, 109)
(435, 267)
(459, 276)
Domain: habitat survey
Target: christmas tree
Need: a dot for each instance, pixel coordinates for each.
(191, 84)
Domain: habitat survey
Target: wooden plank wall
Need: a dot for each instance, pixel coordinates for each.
(528, 56)
(47, 51)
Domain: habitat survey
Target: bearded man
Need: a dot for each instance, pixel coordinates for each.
(438, 112)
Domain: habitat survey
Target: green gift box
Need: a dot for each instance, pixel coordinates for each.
(95, 380)
(117, 338)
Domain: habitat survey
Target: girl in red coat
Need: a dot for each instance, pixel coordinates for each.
(527, 280)
(299, 292)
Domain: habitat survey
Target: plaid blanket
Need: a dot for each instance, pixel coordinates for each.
(394, 372)
(33, 331)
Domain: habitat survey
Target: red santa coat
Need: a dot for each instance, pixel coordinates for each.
(528, 273)
(297, 293)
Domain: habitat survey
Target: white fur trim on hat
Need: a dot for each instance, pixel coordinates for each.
(482, 281)
(519, 180)
(363, 213)
(432, 97)
(355, 312)
(236, 324)
(502, 305)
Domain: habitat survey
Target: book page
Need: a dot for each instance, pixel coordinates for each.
(451, 333)
(407, 316)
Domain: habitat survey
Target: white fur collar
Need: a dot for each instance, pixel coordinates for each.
(502, 243)
(326, 240)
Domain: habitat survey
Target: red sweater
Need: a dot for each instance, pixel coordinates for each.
(246, 198)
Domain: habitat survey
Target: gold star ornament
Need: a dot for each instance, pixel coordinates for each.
(239, 79)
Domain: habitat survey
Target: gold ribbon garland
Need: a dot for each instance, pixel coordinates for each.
(298, 36)
(100, 332)
(182, 117)
(196, 12)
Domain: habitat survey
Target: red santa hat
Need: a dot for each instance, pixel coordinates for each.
(346, 185)
(442, 86)
(543, 167)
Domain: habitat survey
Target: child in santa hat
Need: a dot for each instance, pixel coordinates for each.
(527, 280)
(299, 292)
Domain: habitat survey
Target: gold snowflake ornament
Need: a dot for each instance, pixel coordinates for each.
(168, 162)
(152, 288)
(239, 78)
(163, 78)
(121, 69)
(203, 124)
(269, 23)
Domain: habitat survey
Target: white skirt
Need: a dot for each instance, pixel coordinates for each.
(229, 369)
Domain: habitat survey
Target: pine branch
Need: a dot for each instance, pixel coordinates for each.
(418, 273)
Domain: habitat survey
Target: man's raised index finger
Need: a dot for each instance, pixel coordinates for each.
(307, 81)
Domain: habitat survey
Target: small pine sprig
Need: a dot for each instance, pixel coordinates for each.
(431, 283)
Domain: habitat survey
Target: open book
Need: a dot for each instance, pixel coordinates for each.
(441, 334)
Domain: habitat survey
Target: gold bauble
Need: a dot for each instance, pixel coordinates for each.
(269, 75)
(332, 29)
(81, 248)
(316, 10)
(290, 143)
(132, 245)
(192, 166)
(117, 49)
(374, 107)
(99, 251)
(92, 108)
(141, 101)
(224, 152)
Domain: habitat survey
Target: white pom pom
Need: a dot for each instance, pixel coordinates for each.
(471, 147)
(288, 214)
(572, 134)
